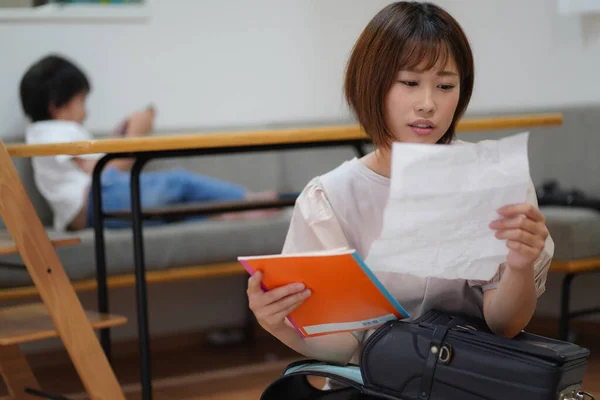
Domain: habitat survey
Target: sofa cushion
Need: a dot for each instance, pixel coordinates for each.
(575, 231)
(25, 171)
(173, 245)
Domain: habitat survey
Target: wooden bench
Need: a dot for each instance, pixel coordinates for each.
(572, 269)
(576, 266)
(576, 234)
(574, 260)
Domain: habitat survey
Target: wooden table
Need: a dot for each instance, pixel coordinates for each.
(289, 137)
(146, 148)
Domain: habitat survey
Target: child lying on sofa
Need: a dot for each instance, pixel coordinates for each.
(53, 93)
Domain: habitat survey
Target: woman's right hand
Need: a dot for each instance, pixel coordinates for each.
(272, 307)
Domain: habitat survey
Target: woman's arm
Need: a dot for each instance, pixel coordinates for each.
(271, 309)
(509, 307)
(336, 348)
(313, 227)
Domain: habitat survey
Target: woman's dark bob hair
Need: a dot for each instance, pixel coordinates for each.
(402, 36)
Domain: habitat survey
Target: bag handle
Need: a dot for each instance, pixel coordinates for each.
(437, 351)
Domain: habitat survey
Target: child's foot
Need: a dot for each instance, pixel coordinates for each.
(254, 214)
(267, 195)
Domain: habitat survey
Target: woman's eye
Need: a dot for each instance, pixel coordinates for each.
(446, 87)
(409, 83)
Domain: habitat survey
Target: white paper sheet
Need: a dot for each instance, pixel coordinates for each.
(442, 199)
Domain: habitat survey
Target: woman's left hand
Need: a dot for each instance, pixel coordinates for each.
(524, 228)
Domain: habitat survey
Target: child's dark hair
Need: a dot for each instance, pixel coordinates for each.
(53, 80)
(401, 36)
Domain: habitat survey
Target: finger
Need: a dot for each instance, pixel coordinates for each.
(255, 292)
(284, 304)
(523, 223)
(523, 249)
(279, 293)
(529, 210)
(284, 313)
(519, 222)
(521, 236)
(254, 281)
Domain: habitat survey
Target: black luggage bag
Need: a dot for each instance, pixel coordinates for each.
(440, 356)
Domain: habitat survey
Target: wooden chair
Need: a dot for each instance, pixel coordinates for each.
(60, 313)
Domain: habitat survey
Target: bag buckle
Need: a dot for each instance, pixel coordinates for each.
(583, 395)
(575, 393)
(444, 353)
(463, 328)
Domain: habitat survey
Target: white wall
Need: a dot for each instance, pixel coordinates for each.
(215, 64)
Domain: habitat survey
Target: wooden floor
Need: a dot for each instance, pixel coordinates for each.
(191, 369)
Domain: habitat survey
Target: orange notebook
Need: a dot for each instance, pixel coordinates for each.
(346, 295)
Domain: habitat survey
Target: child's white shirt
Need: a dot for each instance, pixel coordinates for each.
(60, 181)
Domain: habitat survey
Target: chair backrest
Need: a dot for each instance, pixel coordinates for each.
(25, 172)
(53, 284)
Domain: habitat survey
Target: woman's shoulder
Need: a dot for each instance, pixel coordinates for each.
(353, 176)
(312, 202)
(342, 171)
(341, 191)
(314, 224)
(339, 174)
(315, 196)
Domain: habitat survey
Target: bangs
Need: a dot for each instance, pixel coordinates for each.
(423, 53)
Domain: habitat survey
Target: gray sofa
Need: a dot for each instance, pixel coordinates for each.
(172, 245)
(567, 153)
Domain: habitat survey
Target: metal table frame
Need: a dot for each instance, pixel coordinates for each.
(137, 216)
(566, 315)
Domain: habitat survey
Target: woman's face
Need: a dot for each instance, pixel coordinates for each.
(421, 104)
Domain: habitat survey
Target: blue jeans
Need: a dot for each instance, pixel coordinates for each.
(159, 189)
